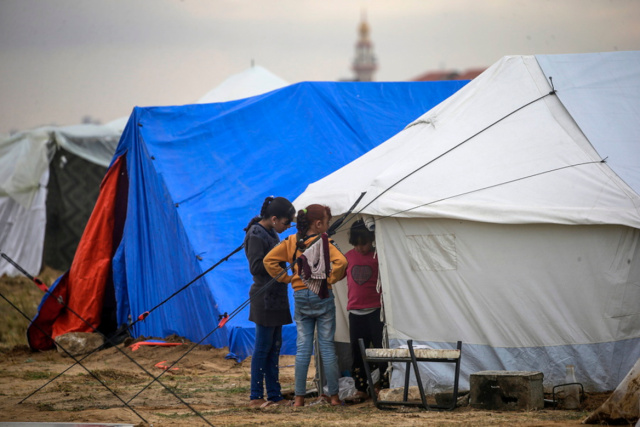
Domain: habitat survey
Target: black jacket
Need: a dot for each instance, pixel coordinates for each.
(271, 307)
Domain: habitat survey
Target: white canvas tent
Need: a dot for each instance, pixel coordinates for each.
(508, 217)
(252, 81)
(77, 156)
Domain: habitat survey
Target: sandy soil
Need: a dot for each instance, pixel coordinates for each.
(215, 387)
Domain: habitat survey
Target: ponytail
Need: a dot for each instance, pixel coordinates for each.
(273, 206)
(302, 225)
(265, 207)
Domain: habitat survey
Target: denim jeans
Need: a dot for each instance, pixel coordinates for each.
(311, 311)
(264, 363)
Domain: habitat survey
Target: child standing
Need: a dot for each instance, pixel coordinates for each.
(315, 268)
(363, 302)
(269, 308)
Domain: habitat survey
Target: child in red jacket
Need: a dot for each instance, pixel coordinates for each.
(363, 302)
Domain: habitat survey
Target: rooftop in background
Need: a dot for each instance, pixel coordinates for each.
(430, 76)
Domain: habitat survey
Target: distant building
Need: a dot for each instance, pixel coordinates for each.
(364, 64)
(430, 76)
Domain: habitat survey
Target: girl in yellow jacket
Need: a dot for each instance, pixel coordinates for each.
(318, 264)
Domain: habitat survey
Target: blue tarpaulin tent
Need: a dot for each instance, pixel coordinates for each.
(186, 180)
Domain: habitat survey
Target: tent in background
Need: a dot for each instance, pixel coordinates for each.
(184, 183)
(508, 217)
(67, 163)
(50, 178)
(252, 81)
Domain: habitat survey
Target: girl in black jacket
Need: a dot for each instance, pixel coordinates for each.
(270, 309)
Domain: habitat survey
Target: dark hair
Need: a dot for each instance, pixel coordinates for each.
(306, 217)
(274, 206)
(359, 234)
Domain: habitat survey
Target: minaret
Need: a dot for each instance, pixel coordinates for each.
(364, 63)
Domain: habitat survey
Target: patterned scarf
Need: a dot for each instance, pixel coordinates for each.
(314, 266)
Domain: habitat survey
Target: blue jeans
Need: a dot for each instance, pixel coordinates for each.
(311, 311)
(264, 363)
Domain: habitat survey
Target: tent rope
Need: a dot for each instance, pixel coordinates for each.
(77, 361)
(452, 148)
(226, 317)
(223, 318)
(109, 340)
(126, 327)
(382, 217)
(146, 313)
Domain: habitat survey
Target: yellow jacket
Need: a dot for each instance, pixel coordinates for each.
(286, 251)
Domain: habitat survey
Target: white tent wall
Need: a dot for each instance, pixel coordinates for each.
(22, 231)
(24, 175)
(534, 298)
(609, 97)
(24, 159)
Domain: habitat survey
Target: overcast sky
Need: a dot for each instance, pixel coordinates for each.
(63, 59)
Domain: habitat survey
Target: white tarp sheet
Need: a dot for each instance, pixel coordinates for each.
(614, 96)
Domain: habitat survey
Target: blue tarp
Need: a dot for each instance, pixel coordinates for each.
(198, 173)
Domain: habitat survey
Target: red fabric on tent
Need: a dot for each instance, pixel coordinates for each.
(91, 265)
(82, 288)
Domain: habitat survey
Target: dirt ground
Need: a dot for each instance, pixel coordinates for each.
(216, 387)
